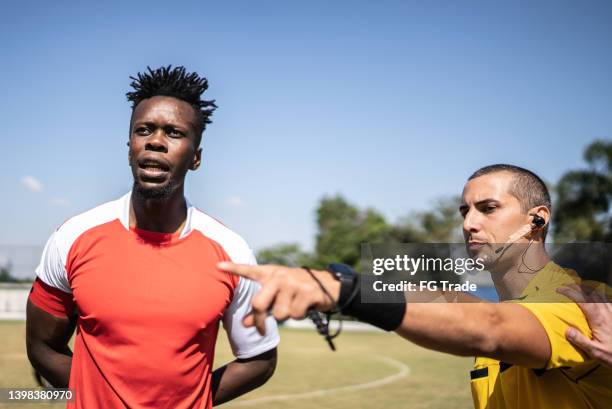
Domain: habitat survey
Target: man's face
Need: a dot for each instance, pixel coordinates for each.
(163, 137)
(491, 214)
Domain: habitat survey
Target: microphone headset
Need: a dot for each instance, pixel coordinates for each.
(537, 223)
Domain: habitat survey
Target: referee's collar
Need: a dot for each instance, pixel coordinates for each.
(543, 287)
(124, 204)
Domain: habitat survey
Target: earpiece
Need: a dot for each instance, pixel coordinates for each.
(538, 222)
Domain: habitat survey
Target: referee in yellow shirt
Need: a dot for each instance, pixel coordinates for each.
(523, 359)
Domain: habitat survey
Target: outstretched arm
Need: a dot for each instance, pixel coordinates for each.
(507, 332)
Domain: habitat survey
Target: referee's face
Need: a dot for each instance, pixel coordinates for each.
(491, 214)
(163, 145)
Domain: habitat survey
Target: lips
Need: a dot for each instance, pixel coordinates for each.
(153, 168)
(475, 245)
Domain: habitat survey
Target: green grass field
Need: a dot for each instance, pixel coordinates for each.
(369, 370)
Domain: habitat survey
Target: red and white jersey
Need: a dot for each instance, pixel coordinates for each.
(148, 305)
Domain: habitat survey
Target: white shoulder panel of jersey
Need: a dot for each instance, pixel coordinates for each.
(234, 245)
(52, 267)
(245, 342)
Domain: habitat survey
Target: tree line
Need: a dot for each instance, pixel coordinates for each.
(581, 213)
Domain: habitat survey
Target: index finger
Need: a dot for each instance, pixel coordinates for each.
(256, 273)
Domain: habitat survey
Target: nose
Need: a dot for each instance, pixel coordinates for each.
(471, 223)
(157, 142)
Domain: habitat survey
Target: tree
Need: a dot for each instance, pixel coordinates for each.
(441, 224)
(582, 209)
(6, 276)
(342, 227)
(288, 254)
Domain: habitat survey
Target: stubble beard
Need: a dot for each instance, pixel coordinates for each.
(156, 193)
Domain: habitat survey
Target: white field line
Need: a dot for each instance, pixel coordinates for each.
(404, 370)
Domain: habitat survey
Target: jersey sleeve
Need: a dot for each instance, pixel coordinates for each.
(247, 342)
(51, 290)
(556, 318)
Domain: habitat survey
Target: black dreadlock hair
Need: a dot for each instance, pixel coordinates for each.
(174, 82)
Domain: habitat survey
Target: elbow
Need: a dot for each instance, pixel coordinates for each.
(489, 347)
(269, 368)
(36, 355)
(488, 342)
(259, 369)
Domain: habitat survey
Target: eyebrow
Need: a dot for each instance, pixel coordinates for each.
(485, 201)
(479, 203)
(171, 125)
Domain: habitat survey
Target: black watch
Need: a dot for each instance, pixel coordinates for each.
(348, 281)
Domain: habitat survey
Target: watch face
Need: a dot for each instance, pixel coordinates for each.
(335, 274)
(341, 269)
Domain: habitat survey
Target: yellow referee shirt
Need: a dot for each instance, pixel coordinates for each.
(570, 380)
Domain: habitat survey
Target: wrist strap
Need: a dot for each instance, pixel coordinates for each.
(384, 310)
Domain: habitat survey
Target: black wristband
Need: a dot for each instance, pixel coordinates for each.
(384, 310)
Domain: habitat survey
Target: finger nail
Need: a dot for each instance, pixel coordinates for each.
(571, 333)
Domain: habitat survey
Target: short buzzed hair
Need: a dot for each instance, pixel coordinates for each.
(528, 188)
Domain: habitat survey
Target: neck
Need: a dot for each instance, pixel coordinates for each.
(511, 278)
(163, 215)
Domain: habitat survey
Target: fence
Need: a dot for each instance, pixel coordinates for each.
(13, 299)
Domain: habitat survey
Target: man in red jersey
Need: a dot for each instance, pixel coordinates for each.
(140, 273)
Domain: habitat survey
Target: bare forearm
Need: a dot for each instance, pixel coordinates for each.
(242, 376)
(47, 338)
(54, 366)
(508, 332)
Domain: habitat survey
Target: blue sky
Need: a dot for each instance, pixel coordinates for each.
(392, 104)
